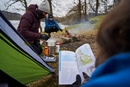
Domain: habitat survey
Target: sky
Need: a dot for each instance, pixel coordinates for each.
(60, 8)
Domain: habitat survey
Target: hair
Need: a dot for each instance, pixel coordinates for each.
(114, 32)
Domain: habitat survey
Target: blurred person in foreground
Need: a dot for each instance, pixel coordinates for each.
(114, 42)
(51, 25)
(30, 23)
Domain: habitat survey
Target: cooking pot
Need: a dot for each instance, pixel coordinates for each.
(51, 42)
(51, 45)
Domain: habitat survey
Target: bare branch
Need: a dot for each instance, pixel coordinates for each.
(91, 7)
(23, 3)
(10, 5)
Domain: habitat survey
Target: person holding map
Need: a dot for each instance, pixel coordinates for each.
(114, 42)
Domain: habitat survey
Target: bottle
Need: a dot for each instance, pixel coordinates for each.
(46, 51)
(57, 47)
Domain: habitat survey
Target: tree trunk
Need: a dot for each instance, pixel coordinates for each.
(97, 5)
(85, 12)
(25, 4)
(105, 7)
(79, 11)
(50, 6)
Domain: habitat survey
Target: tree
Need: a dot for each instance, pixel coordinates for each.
(97, 6)
(105, 5)
(50, 3)
(85, 10)
(94, 6)
(23, 2)
(79, 10)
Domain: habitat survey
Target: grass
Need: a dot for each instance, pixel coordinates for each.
(97, 20)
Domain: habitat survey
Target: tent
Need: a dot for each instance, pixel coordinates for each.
(7, 81)
(17, 58)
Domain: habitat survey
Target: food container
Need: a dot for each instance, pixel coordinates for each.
(57, 47)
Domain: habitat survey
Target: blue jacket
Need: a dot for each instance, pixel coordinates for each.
(115, 72)
(49, 24)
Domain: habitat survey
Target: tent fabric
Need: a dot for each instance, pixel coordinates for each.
(7, 81)
(17, 57)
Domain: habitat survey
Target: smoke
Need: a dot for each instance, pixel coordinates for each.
(81, 27)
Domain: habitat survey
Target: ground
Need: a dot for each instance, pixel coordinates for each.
(52, 80)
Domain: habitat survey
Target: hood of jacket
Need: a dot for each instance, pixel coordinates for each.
(112, 73)
(33, 8)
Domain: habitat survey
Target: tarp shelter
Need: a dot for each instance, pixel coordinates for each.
(17, 58)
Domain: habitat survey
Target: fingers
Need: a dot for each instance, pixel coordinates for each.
(85, 75)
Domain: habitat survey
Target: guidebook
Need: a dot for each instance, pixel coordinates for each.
(73, 63)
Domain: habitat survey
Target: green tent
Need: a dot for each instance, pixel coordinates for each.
(17, 57)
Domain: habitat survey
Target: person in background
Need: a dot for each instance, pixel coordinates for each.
(30, 23)
(51, 25)
(114, 42)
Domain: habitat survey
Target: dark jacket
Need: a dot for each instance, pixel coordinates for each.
(112, 73)
(29, 25)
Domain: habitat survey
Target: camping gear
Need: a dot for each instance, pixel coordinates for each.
(57, 47)
(49, 59)
(46, 51)
(17, 58)
(51, 45)
(7, 81)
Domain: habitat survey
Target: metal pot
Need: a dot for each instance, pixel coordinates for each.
(51, 45)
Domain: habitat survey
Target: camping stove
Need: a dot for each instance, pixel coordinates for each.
(51, 43)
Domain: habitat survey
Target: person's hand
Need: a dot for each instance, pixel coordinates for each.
(77, 83)
(60, 30)
(54, 26)
(44, 37)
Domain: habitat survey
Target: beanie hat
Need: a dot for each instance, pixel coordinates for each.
(44, 6)
(50, 16)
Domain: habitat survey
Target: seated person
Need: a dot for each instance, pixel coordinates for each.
(51, 25)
